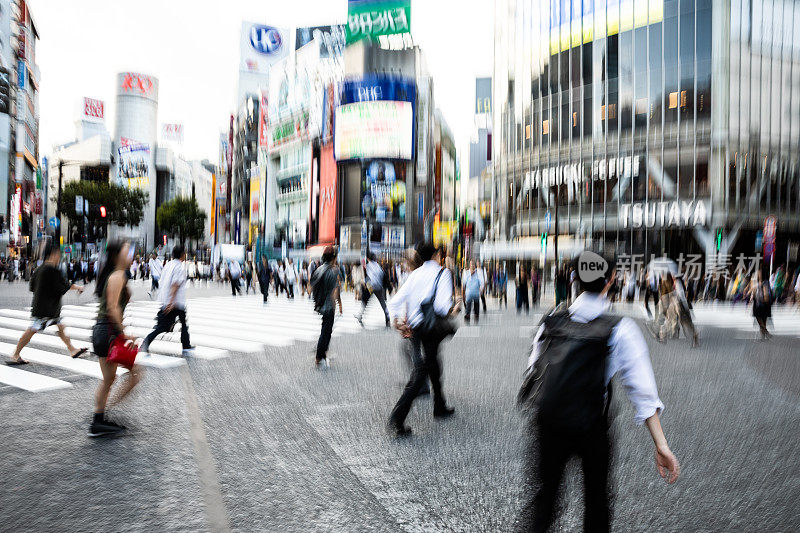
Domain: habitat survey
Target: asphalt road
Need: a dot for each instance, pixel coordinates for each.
(263, 442)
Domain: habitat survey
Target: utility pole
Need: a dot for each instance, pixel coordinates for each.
(58, 202)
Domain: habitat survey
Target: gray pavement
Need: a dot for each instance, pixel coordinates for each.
(263, 442)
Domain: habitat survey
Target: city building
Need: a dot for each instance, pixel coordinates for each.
(21, 194)
(654, 127)
(478, 192)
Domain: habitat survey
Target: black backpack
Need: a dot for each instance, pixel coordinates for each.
(319, 292)
(566, 389)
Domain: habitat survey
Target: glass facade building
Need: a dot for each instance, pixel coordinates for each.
(646, 126)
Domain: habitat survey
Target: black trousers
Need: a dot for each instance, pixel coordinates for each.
(648, 293)
(551, 450)
(325, 334)
(164, 323)
(235, 287)
(472, 303)
(426, 367)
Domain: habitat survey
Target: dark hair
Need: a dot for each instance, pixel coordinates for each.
(49, 248)
(371, 256)
(113, 250)
(329, 254)
(177, 251)
(595, 286)
(426, 250)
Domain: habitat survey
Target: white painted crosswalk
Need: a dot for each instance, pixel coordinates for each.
(218, 327)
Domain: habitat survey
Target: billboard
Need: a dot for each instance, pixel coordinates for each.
(212, 223)
(172, 132)
(573, 22)
(331, 39)
(261, 46)
(380, 129)
(5, 90)
(371, 18)
(383, 192)
(134, 166)
(93, 110)
(327, 195)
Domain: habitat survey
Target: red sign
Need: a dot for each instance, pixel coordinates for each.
(21, 49)
(93, 108)
(327, 195)
(172, 132)
(137, 83)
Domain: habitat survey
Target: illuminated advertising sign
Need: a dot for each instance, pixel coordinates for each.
(381, 129)
(134, 166)
(327, 195)
(574, 22)
(383, 190)
(371, 18)
(93, 110)
(378, 87)
(213, 213)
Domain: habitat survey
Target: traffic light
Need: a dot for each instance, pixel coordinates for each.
(718, 239)
(102, 211)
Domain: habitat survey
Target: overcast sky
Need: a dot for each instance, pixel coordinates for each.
(192, 47)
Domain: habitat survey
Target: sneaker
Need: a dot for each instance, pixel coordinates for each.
(444, 412)
(398, 431)
(144, 349)
(322, 364)
(359, 320)
(114, 424)
(188, 351)
(100, 429)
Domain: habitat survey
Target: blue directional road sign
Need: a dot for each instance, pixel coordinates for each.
(53, 222)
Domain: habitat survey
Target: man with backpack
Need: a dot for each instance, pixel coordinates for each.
(576, 352)
(325, 291)
(420, 309)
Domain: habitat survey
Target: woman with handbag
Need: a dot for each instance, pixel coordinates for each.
(110, 343)
(761, 296)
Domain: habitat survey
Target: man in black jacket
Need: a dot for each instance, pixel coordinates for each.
(48, 286)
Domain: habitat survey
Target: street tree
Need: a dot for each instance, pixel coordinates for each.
(182, 218)
(124, 206)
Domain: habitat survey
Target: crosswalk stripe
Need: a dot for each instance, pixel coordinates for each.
(217, 326)
(30, 381)
(65, 362)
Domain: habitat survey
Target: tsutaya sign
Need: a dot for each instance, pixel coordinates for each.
(676, 213)
(602, 169)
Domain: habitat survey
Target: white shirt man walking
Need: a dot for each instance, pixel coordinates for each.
(155, 267)
(172, 296)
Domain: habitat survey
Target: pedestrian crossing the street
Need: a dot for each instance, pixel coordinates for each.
(219, 327)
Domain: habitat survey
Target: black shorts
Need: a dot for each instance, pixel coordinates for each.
(103, 334)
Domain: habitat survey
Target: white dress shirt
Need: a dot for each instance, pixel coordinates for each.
(417, 289)
(374, 275)
(628, 356)
(173, 274)
(155, 268)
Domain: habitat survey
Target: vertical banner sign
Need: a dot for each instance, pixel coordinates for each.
(263, 120)
(372, 18)
(21, 74)
(770, 227)
(420, 207)
(213, 221)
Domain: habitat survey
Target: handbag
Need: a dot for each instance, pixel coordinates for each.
(122, 352)
(428, 322)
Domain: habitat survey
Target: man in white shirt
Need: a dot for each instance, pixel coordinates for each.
(172, 297)
(155, 273)
(628, 357)
(291, 278)
(375, 279)
(428, 282)
(235, 272)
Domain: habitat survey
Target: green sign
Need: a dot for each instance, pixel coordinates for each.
(38, 177)
(370, 19)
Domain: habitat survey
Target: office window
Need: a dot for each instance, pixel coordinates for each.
(673, 100)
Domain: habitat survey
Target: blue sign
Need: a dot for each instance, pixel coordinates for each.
(420, 206)
(265, 39)
(759, 239)
(21, 74)
(378, 87)
(53, 222)
(547, 221)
